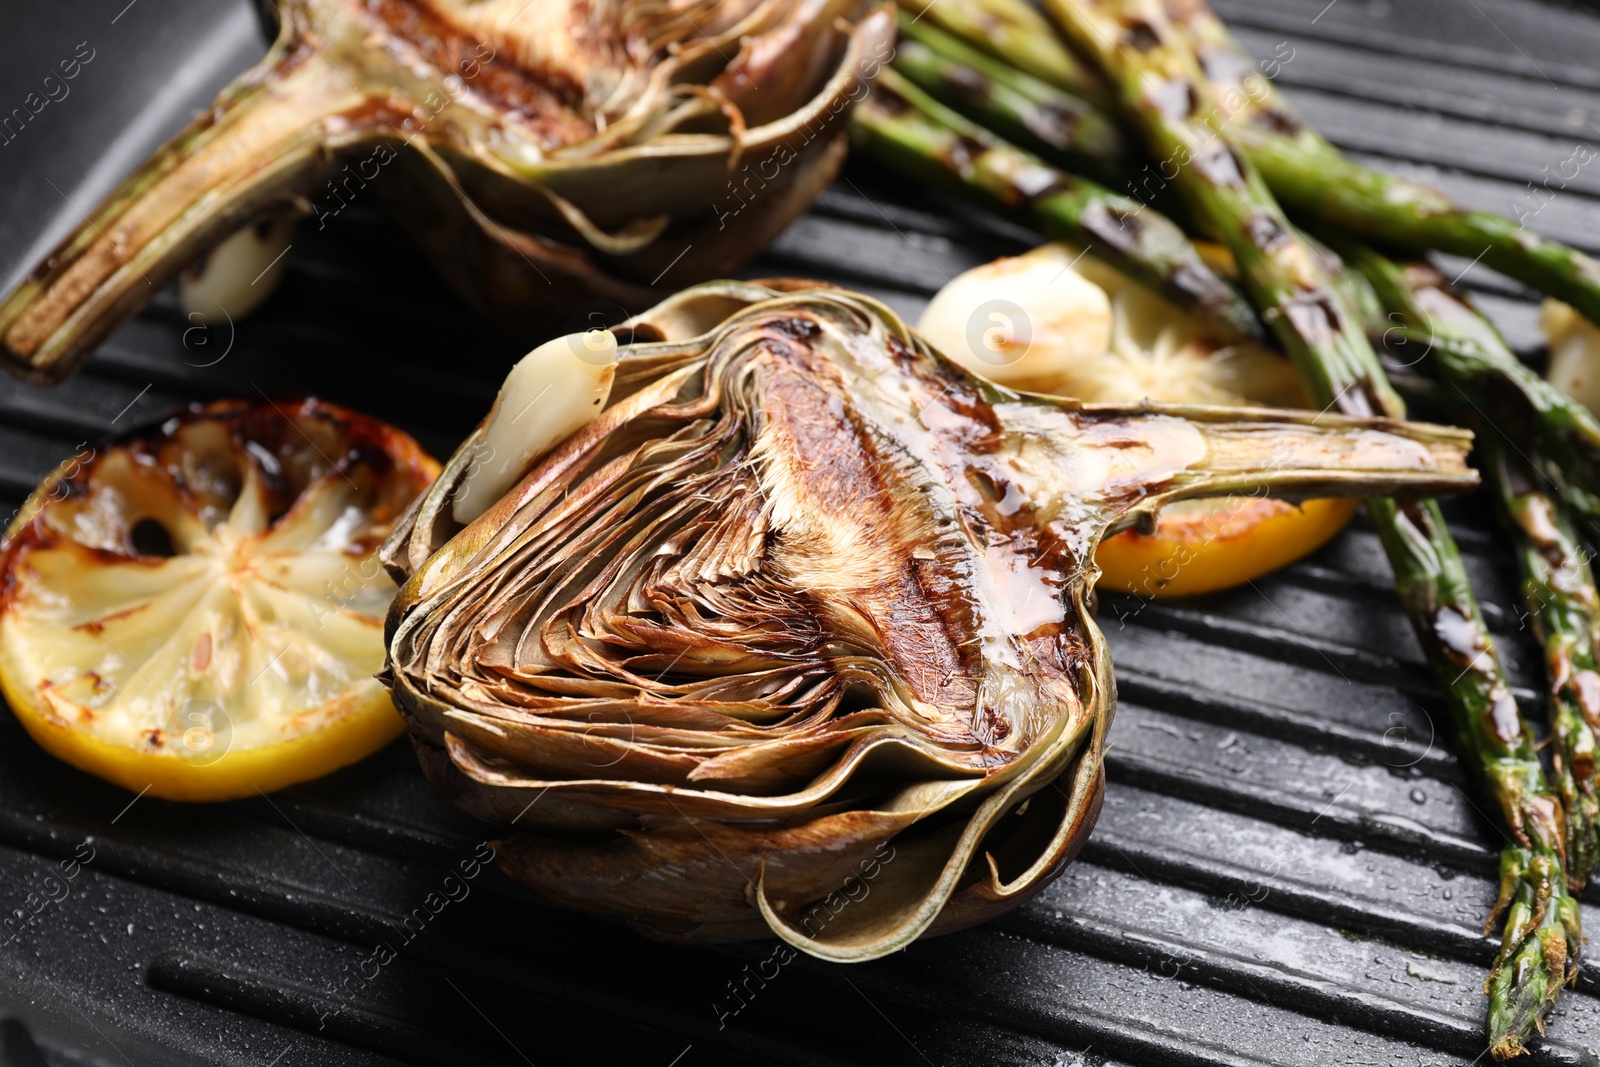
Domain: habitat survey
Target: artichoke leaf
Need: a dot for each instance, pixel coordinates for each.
(805, 611)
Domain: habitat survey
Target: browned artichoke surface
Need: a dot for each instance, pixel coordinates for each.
(802, 613)
(543, 153)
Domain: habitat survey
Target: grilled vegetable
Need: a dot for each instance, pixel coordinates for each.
(1316, 182)
(542, 152)
(800, 621)
(1067, 131)
(1558, 583)
(1018, 33)
(1059, 322)
(905, 128)
(1164, 91)
(197, 612)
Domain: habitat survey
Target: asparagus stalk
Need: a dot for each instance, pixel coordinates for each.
(1016, 32)
(1558, 582)
(1161, 86)
(1316, 182)
(1529, 409)
(1414, 306)
(1065, 129)
(903, 127)
(1559, 591)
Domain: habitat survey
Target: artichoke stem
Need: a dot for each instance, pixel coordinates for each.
(261, 147)
(1211, 452)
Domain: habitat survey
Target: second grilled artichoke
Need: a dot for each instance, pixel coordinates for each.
(543, 151)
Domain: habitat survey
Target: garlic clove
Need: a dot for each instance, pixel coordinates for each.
(238, 275)
(1057, 321)
(550, 394)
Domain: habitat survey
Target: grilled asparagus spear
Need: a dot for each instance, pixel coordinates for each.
(1493, 385)
(1315, 181)
(903, 127)
(1308, 175)
(1558, 583)
(1161, 86)
(1018, 33)
(1066, 130)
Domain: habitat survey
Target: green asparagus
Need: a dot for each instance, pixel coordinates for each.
(1558, 583)
(1065, 130)
(1489, 382)
(1313, 180)
(905, 128)
(1316, 182)
(1015, 31)
(1161, 87)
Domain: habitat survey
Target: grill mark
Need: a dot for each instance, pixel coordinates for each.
(1120, 230)
(1278, 120)
(1052, 122)
(1190, 281)
(1316, 318)
(1140, 36)
(1174, 99)
(967, 83)
(1218, 164)
(961, 152)
(1264, 232)
(549, 102)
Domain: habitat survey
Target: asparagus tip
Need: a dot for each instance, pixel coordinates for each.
(1538, 953)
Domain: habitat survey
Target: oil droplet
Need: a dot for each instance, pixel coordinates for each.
(1418, 797)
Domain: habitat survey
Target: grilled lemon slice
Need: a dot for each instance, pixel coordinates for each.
(198, 612)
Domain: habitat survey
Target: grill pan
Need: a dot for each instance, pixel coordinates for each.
(1290, 868)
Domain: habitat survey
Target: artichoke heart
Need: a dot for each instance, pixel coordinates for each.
(796, 636)
(544, 152)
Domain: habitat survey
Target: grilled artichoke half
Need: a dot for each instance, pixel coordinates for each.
(797, 634)
(544, 152)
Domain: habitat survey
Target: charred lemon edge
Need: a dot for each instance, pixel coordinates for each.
(1187, 557)
(369, 723)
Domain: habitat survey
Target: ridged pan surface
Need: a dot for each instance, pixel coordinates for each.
(1290, 867)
